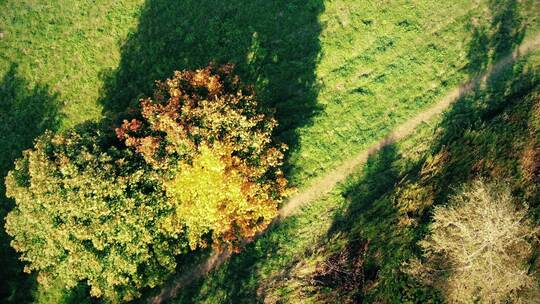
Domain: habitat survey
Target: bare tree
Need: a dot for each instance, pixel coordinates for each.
(478, 247)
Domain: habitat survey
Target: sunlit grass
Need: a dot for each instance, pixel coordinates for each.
(375, 64)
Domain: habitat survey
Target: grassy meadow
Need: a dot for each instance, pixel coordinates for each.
(340, 74)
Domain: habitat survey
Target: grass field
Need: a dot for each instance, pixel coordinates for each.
(340, 74)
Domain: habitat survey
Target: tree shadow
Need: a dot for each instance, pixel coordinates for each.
(379, 176)
(371, 221)
(490, 133)
(364, 205)
(274, 45)
(26, 113)
(500, 81)
(478, 53)
(491, 42)
(507, 26)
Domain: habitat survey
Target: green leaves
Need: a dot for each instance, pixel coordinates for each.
(82, 215)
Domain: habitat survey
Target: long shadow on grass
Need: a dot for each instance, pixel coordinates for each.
(498, 93)
(491, 42)
(274, 45)
(491, 133)
(364, 205)
(25, 113)
(375, 240)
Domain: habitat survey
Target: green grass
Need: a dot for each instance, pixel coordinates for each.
(67, 46)
(370, 65)
(374, 76)
(340, 74)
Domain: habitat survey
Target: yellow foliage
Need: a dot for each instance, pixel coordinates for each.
(212, 195)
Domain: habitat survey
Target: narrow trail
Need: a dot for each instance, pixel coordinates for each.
(323, 185)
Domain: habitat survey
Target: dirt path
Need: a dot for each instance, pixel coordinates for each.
(326, 183)
(323, 185)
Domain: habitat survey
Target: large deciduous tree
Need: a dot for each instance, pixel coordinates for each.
(88, 212)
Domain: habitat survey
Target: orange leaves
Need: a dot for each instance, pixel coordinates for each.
(205, 130)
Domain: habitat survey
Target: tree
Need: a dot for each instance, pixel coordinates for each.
(197, 166)
(478, 246)
(205, 133)
(86, 212)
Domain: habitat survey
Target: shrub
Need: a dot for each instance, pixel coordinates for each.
(345, 272)
(478, 246)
